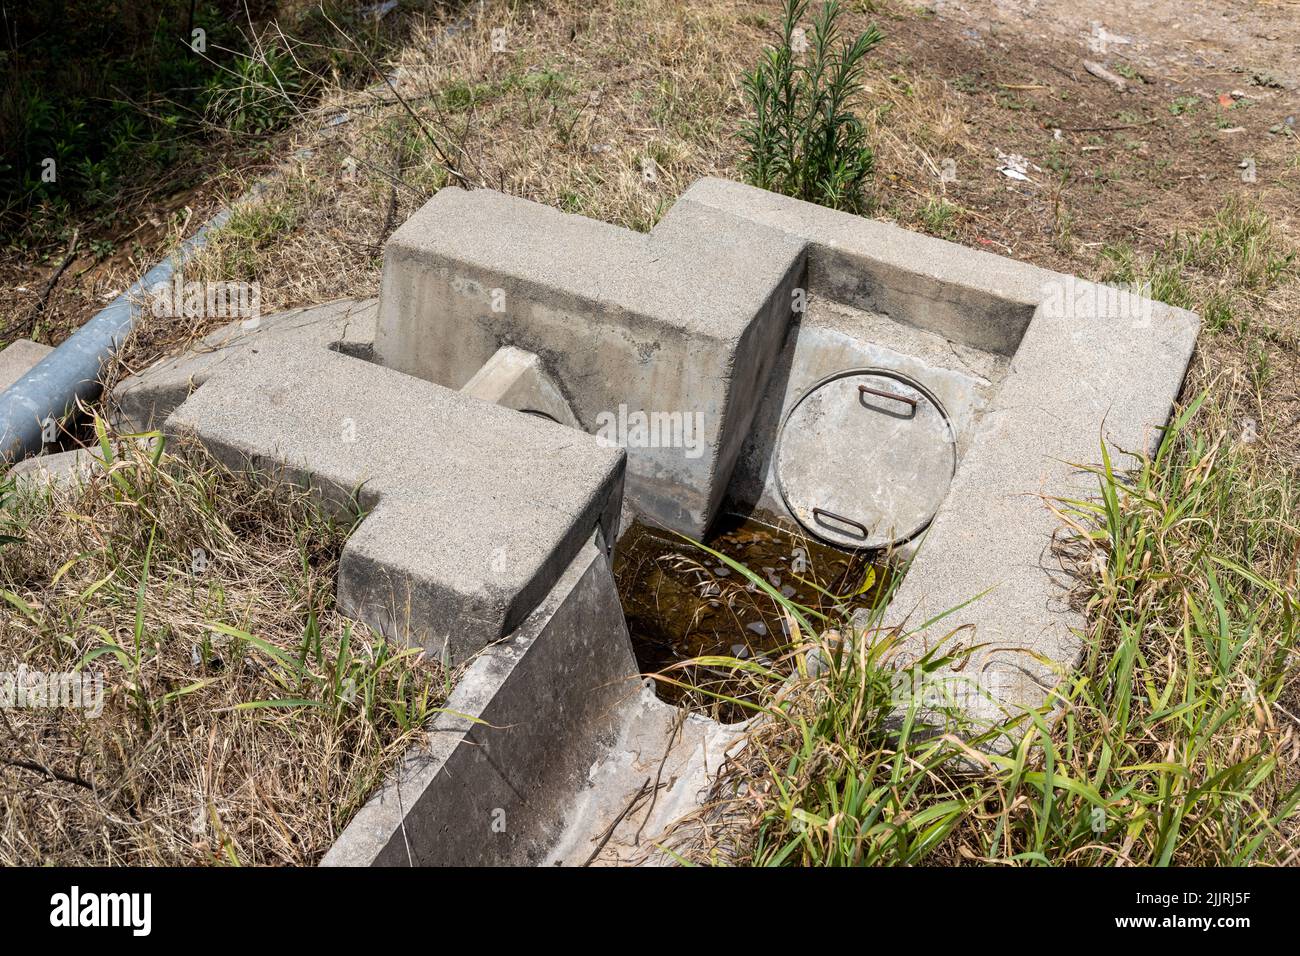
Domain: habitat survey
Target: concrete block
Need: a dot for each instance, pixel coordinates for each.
(516, 379)
(522, 727)
(681, 326)
(473, 510)
(970, 297)
(18, 358)
(144, 400)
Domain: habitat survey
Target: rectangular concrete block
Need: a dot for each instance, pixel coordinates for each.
(680, 326)
(18, 358)
(973, 298)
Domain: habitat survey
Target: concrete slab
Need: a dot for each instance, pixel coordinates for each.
(18, 358)
(681, 326)
(517, 379)
(144, 400)
(473, 510)
(658, 771)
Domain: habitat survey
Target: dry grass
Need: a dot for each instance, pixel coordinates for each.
(197, 594)
(583, 96)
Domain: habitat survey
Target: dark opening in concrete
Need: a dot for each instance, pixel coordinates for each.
(685, 605)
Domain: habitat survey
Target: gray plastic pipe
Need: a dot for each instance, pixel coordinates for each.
(72, 371)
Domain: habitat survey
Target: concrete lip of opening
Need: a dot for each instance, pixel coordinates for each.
(864, 458)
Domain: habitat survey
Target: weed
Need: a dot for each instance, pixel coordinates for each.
(1163, 748)
(802, 137)
(937, 216)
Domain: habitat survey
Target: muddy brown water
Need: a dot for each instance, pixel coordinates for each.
(683, 603)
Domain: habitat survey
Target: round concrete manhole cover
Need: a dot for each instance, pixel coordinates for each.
(864, 458)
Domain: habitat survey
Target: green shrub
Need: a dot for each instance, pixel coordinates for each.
(803, 138)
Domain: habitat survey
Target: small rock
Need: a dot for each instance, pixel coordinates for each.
(1101, 73)
(758, 627)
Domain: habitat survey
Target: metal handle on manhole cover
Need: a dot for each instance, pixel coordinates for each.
(864, 390)
(823, 513)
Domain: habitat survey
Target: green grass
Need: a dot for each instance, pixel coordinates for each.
(234, 251)
(1168, 746)
(120, 98)
(937, 216)
(1219, 270)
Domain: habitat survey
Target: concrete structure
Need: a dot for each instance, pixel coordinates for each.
(547, 742)
(144, 401)
(682, 325)
(1086, 363)
(733, 308)
(550, 735)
